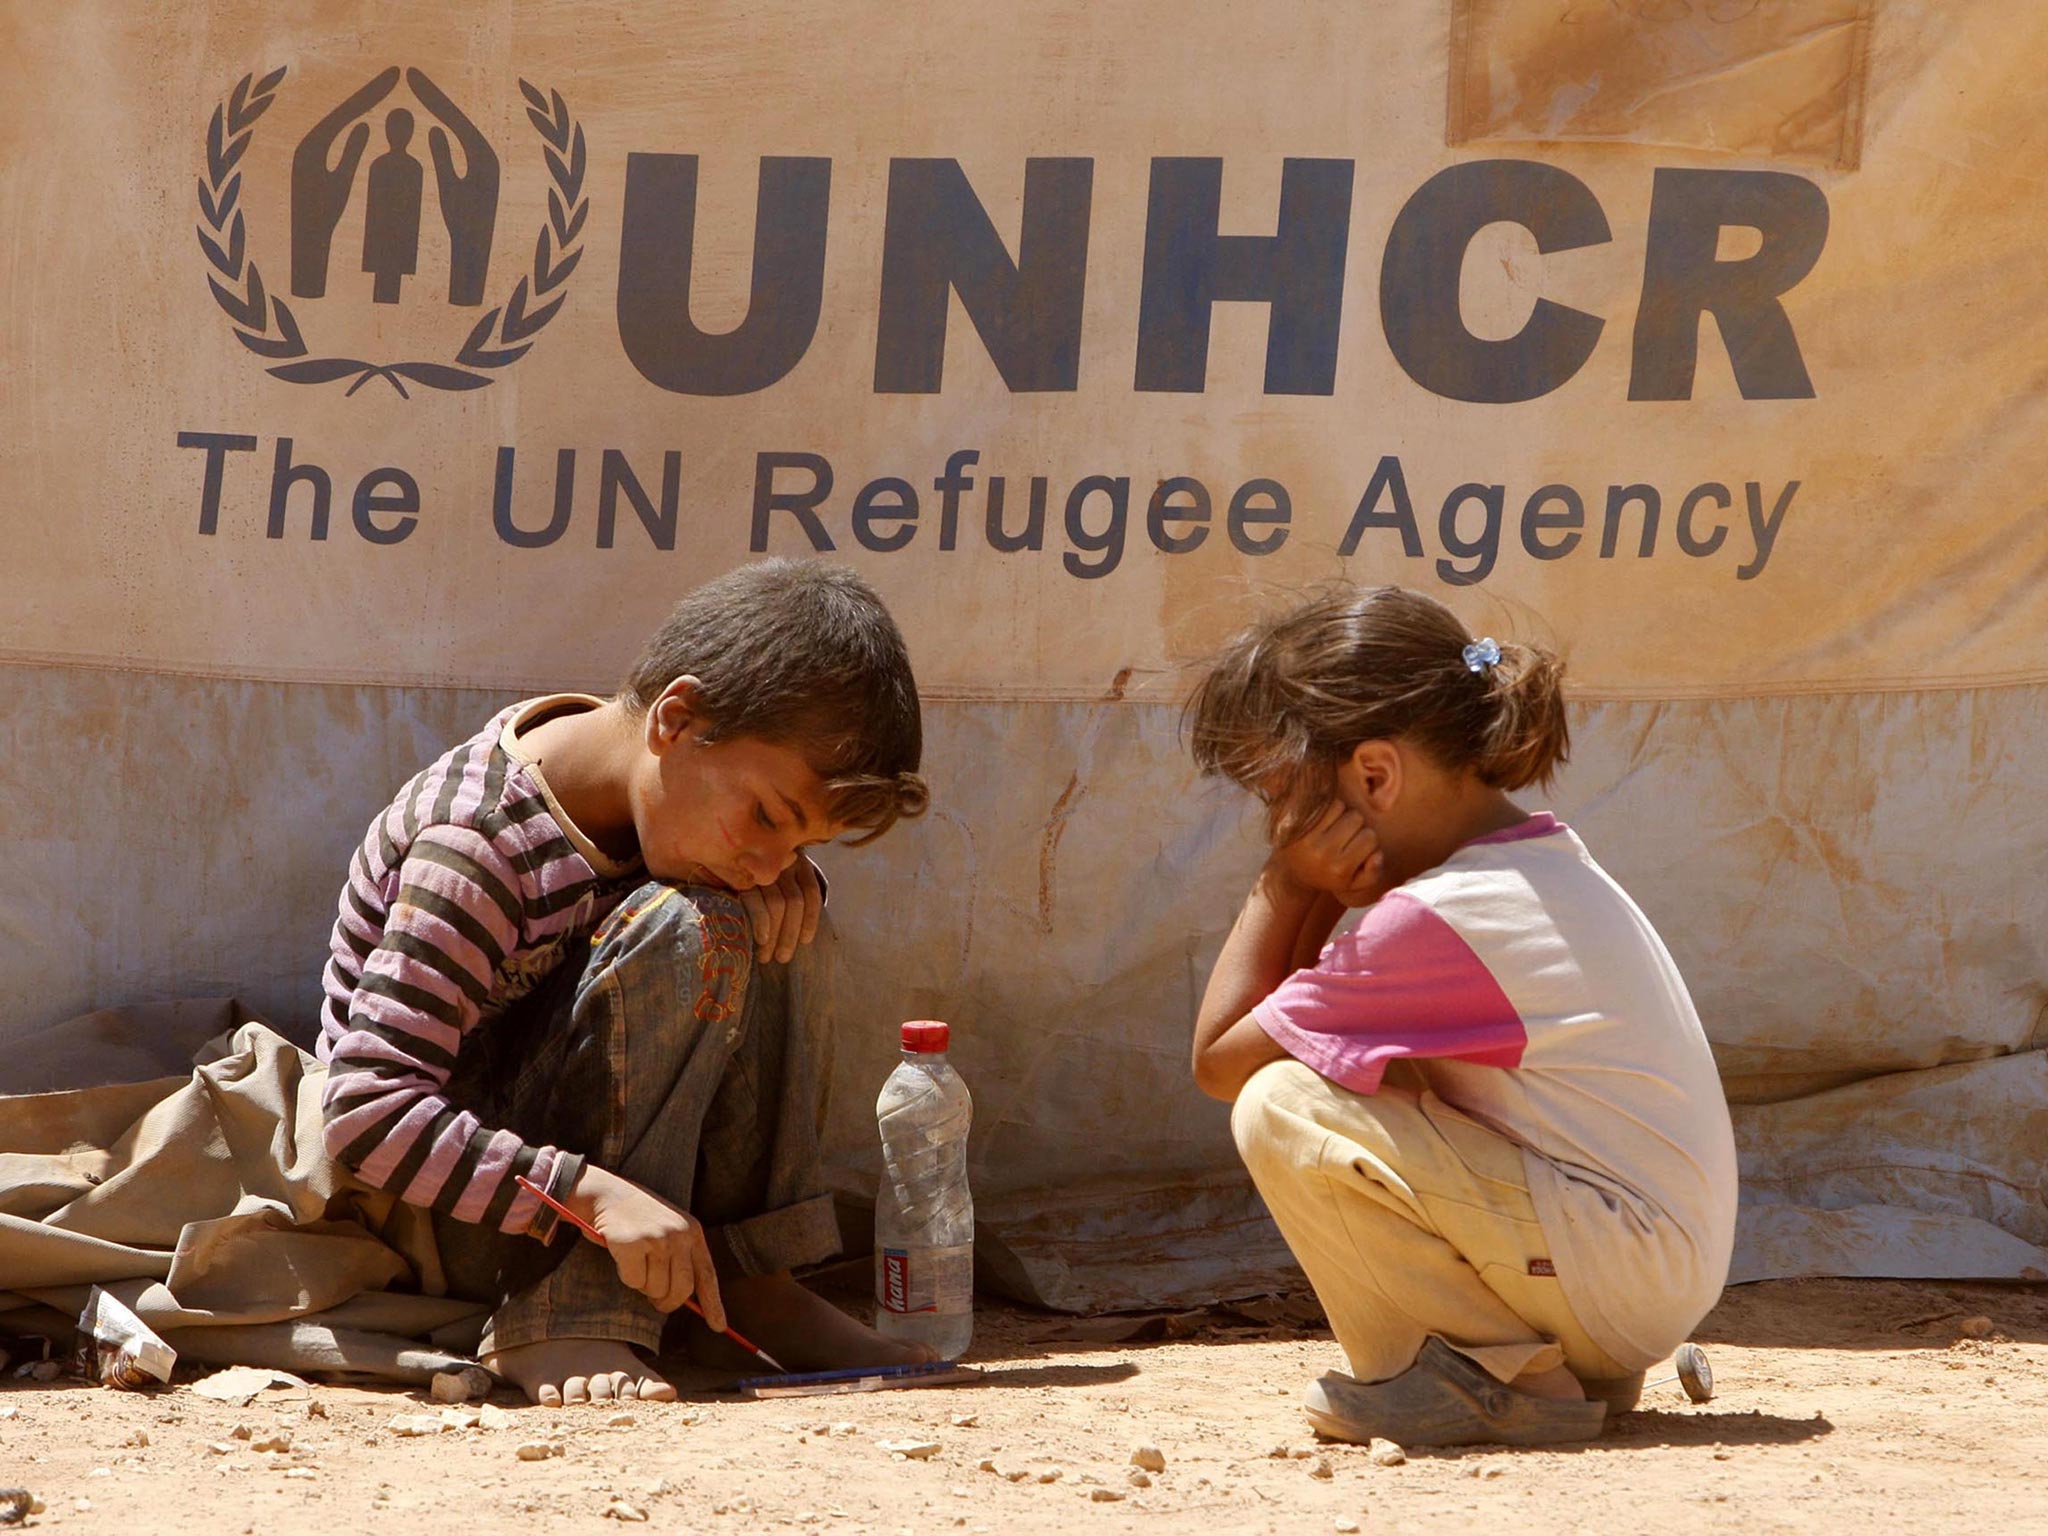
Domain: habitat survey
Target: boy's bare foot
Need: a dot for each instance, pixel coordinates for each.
(800, 1328)
(558, 1371)
(1557, 1382)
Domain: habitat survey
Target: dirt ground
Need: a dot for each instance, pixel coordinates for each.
(1841, 1405)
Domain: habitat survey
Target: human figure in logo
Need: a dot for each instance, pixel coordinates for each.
(468, 197)
(320, 191)
(391, 222)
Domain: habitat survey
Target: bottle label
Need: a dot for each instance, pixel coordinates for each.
(925, 1279)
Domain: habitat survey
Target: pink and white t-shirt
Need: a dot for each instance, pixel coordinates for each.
(1531, 993)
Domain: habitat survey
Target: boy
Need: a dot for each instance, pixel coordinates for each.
(541, 971)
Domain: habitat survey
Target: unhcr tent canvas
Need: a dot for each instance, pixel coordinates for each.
(364, 365)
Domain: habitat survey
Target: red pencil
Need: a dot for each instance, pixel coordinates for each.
(597, 1237)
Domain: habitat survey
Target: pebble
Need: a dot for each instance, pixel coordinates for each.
(1970, 1328)
(491, 1416)
(1149, 1458)
(219, 1447)
(619, 1509)
(316, 1409)
(83, 1506)
(1279, 1453)
(461, 1418)
(241, 1432)
(1346, 1527)
(139, 1439)
(1105, 1495)
(411, 1424)
(470, 1384)
(280, 1441)
(1385, 1453)
(1138, 1477)
(538, 1450)
(1321, 1468)
(298, 1472)
(10, 1413)
(619, 1421)
(914, 1450)
(1051, 1475)
(1496, 1470)
(966, 1420)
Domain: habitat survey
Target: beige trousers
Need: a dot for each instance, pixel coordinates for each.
(1411, 1219)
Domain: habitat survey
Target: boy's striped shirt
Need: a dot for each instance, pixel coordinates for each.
(465, 893)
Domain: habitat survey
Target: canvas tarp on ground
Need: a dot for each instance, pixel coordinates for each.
(340, 404)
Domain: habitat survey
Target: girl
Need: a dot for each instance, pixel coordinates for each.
(1486, 1119)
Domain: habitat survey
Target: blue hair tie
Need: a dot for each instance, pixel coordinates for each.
(1481, 654)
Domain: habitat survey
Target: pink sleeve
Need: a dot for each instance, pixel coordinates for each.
(1402, 984)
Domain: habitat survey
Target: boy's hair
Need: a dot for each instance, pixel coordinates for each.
(804, 654)
(1292, 695)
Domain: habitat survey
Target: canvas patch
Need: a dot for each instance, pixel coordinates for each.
(1781, 81)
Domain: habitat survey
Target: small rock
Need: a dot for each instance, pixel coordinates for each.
(915, 1450)
(460, 1418)
(1051, 1475)
(242, 1432)
(619, 1421)
(966, 1420)
(138, 1440)
(10, 1413)
(471, 1384)
(408, 1425)
(316, 1409)
(298, 1472)
(1969, 1328)
(1279, 1453)
(845, 1429)
(47, 1370)
(1302, 1452)
(538, 1450)
(1149, 1458)
(619, 1509)
(1138, 1477)
(1493, 1471)
(1105, 1495)
(281, 1440)
(987, 1464)
(1385, 1453)
(1016, 1476)
(1321, 1468)
(83, 1506)
(1346, 1527)
(491, 1416)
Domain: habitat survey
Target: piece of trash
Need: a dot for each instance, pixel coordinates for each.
(239, 1384)
(126, 1351)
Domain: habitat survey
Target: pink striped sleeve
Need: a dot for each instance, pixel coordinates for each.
(1402, 984)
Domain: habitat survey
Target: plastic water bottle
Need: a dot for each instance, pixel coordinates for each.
(924, 1216)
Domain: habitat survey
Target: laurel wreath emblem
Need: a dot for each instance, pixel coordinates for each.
(265, 324)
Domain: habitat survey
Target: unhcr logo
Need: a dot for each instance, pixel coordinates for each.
(328, 170)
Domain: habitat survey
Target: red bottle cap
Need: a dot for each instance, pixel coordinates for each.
(925, 1035)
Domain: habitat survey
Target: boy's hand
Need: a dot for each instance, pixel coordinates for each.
(660, 1251)
(785, 914)
(1338, 855)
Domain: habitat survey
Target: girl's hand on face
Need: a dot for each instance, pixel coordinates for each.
(1338, 855)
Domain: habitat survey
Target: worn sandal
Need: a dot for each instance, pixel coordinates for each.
(1444, 1399)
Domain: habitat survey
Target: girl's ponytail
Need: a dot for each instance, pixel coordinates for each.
(1528, 738)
